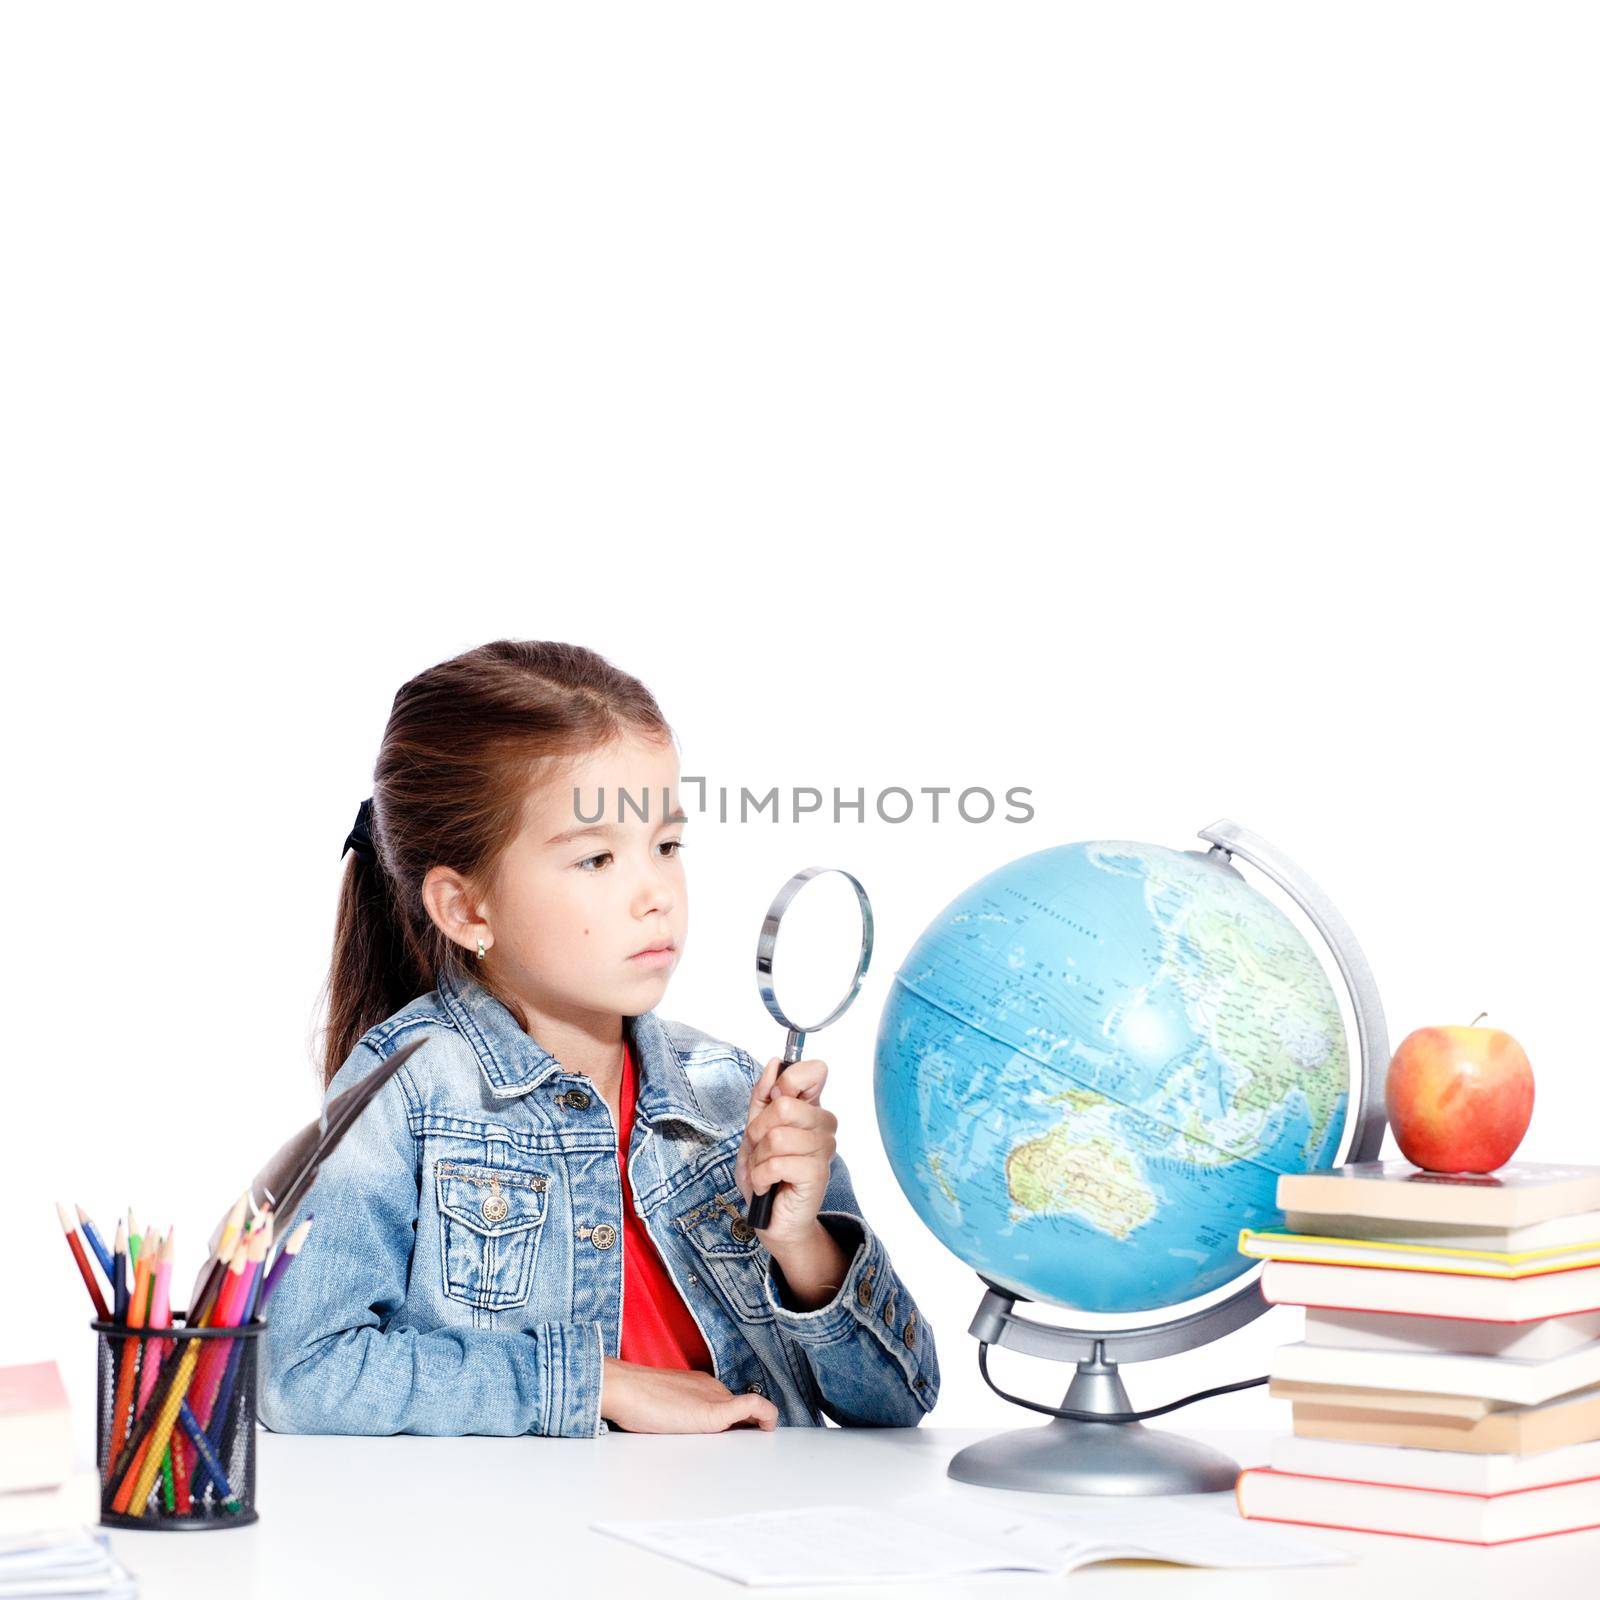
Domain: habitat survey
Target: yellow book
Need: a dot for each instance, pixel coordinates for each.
(1320, 1250)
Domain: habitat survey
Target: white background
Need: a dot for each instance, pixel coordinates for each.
(1182, 411)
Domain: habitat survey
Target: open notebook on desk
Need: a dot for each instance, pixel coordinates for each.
(934, 1536)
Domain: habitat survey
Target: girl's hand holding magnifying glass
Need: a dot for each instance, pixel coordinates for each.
(789, 1141)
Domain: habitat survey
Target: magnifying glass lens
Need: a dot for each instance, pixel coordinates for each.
(818, 950)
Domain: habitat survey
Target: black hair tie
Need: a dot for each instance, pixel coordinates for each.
(359, 837)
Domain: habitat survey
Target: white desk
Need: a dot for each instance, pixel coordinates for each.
(410, 1516)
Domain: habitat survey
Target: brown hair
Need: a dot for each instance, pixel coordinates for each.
(464, 742)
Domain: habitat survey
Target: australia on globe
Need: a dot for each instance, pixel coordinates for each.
(1093, 1066)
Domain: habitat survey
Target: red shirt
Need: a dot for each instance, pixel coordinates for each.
(658, 1329)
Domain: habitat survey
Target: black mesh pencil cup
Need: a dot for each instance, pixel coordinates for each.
(175, 1435)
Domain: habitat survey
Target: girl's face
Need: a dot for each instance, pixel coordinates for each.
(575, 902)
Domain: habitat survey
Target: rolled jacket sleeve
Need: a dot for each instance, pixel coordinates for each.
(336, 1361)
(869, 1349)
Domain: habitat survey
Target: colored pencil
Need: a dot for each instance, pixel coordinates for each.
(216, 1273)
(127, 1377)
(139, 1304)
(158, 1248)
(210, 1275)
(119, 1275)
(89, 1283)
(135, 1240)
(291, 1248)
(100, 1308)
(96, 1243)
(210, 1464)
(143, 1279)
(160, 1317)
(119, 1298)
(176, 1468)
(232, 1229)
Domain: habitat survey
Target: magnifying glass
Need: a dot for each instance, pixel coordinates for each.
(821, 953)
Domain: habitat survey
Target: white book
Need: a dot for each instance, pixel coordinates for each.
(76, 1561)
(1582, 1227)
(1422, 1513)
(1441, 1294)
(1461, 1471)
(72, 1504)
(36, 1446)
(1520, 1341)
(1513, 1196)
(1520, 1383)
(952, 1534)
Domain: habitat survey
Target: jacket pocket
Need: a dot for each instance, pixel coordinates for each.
(490, 1220)
(727, 1244)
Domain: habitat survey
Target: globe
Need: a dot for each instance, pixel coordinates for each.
(1094, 1064)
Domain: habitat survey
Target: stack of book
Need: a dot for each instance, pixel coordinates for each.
(46, 1502)
(1448, 1384)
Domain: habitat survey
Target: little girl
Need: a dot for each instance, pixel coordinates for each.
(538, 1225)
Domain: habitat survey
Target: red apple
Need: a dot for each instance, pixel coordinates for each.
(1459, 1098)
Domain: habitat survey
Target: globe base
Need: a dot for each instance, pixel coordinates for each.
(1110, 1458)
(1070, 1456)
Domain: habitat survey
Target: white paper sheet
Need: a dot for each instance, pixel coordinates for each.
(946, 1535)
(1158, 1528)
(76, 1561)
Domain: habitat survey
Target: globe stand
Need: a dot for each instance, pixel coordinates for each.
(1068, 1456)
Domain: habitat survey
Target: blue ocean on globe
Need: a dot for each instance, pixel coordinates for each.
(1094, 1064)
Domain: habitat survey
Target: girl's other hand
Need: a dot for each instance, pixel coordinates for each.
(645, 1399)
(788, 1139)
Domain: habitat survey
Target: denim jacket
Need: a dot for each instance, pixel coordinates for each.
(464, 1273)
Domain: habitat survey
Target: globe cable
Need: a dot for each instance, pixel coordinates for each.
(1064, 1414)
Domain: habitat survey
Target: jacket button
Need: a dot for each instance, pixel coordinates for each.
(910, 1335)
(741, 1230)
(919, 1382)
(577, 1099)
(604, 1236)
(758, 1387)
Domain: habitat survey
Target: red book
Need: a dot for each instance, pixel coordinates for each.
(35, 1428)
(1450, 1514)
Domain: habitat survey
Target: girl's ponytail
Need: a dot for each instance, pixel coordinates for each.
(372, 973)
(464, 742)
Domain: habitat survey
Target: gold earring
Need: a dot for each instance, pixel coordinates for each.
(481, 951)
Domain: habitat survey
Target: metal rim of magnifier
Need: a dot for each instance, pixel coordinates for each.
(996, 1321)
(767, 944)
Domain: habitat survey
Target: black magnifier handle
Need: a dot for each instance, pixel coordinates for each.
(761, 1204)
